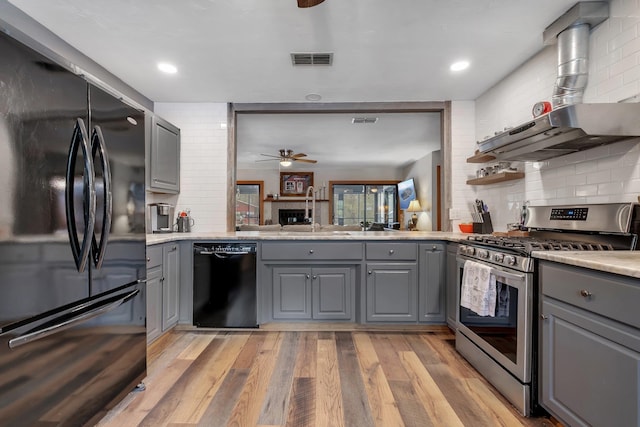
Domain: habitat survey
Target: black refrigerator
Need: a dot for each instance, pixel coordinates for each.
(72, 244)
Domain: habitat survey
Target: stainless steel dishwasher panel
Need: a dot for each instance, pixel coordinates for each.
(224, 285)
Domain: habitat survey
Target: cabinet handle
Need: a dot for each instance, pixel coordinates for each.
(370, 272)
(148, 259)
(174, 248)
(585, 293)
(310, 251)
(544, 316)
(434, 248)
(391, 251)
(315, 277)
(307, 276)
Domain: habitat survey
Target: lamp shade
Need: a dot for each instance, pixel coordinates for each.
(414, 206)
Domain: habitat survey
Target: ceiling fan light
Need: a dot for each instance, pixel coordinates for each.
(285, 163)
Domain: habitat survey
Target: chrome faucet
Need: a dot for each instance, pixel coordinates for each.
(310, 193)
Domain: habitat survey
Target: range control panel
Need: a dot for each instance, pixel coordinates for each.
(574, 214)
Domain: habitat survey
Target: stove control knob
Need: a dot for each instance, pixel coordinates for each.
(483, 253)
(498, 257)
(509, 259)
(471, 251)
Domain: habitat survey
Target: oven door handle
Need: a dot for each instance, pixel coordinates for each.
(500, 273)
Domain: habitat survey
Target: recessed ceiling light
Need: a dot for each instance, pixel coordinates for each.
(165, 67)
(313, 97)
(459, 66)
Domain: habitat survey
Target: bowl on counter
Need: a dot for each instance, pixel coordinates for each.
(466, 228)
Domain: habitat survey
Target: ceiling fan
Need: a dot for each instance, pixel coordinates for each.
(309, 3)
(286, 157)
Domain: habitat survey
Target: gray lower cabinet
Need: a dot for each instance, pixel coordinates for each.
(431, 291)
(391, 282)
(163, 277)
(164, 156)
(391, 292)
(320, 293)
(589, 346)
(452, 286)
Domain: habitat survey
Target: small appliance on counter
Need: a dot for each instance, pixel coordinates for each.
(160, 217)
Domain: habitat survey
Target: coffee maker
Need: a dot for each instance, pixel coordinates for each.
(160, 219)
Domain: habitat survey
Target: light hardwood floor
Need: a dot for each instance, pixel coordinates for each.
(313, 378)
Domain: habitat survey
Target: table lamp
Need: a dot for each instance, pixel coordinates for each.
(414, 207)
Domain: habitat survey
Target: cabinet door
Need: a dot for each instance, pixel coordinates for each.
(332, 288)
(154, 303)
(170, 285)
(586, 377)
(291, 293)
(391, 292)
(431, 289)
(164, 167)
(452, 286)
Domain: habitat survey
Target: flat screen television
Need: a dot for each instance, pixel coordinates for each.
(406, 193)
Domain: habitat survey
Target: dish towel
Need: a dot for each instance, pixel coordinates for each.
(478, 290)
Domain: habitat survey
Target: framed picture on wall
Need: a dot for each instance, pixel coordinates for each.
(295, 183)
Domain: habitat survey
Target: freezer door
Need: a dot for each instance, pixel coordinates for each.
(118, 254)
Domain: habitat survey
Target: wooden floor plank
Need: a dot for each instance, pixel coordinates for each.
(305, 366)
(389, 358)
(328, 395)
(276, 402)
(381, 401)
(206, 378)
(354, 397)
(499, 414)
(411, 410)
(219, 410)
(435, 402)
(302, 406)
(247, 408)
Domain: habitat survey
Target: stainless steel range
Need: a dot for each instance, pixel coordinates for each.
(499, 290)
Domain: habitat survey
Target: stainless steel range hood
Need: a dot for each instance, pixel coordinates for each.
(566, 130)
(571, 126)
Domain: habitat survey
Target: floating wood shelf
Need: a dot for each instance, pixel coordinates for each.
(498, 177)
(481, 158)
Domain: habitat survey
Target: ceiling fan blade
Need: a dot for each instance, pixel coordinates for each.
(269, 155)
(267, 160)
(305, 160)
(296, 156)
(309, 3)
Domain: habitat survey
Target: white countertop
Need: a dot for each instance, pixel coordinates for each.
(626, 263)
(302, 235)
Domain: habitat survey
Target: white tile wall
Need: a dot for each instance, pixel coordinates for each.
(203, 162)
(604, 174)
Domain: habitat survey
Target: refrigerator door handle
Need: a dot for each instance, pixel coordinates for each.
(99, 147)
(80, 140)
(66, 322)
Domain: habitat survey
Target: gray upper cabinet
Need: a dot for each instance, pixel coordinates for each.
(431, 290)
(164, 156)
(589, 346)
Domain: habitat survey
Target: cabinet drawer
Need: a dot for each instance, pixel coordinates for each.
(312, 251)
(391, 251)
(615, 297)
(154, 256)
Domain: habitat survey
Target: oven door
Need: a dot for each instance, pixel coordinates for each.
(506, 338)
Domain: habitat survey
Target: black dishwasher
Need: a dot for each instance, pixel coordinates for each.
(224, 285)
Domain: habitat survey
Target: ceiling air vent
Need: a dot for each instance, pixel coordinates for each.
(358, 120)
(312, 58)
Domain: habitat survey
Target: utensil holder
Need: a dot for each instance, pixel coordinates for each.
(484, 227)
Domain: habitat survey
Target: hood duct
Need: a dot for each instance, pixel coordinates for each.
(570, 126)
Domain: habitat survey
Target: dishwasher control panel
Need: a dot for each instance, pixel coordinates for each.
(225, 247)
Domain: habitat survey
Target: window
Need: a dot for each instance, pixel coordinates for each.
(249, 203)
(364, 203)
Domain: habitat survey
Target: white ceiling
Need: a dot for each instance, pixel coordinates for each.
(239, 51)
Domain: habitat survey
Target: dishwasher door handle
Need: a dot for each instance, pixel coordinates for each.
(221, 254)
